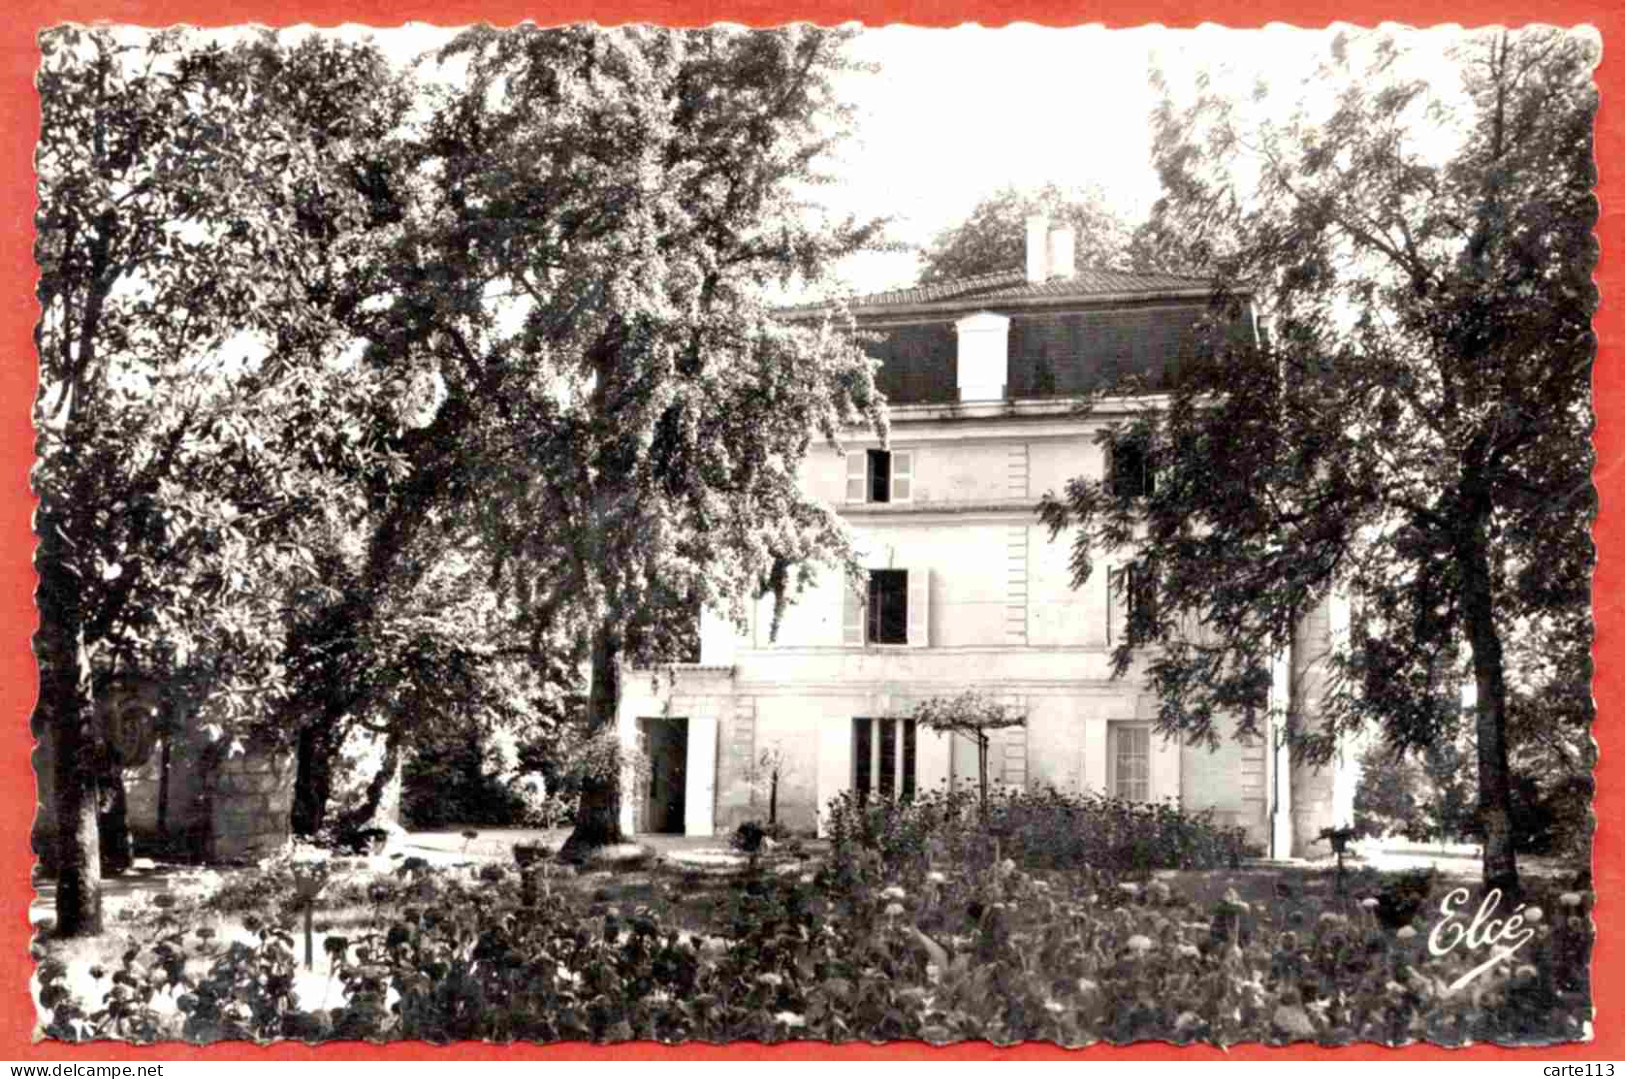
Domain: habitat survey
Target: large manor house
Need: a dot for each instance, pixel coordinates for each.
(966, 589)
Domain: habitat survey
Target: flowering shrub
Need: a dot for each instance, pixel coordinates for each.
(1047, 829)
(858, 950)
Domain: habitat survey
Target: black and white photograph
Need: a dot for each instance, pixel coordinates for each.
(830, 534)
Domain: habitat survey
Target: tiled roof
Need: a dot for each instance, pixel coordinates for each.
(1013, 285)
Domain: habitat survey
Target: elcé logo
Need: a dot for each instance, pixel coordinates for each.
(1504, 936)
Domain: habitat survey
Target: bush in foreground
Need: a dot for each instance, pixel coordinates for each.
(860, 950)
(1042, 830)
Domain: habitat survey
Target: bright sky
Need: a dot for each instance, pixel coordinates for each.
(955, 114)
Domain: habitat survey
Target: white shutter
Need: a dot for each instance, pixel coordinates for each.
(857, 476)
(1111, 603)
(1129, 585)
(853, 608)
(919, 607)
(1014, 770)
(902, 476)
(700, 788)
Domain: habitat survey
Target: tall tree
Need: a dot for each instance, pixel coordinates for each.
(994, 236)
(180, 362)
(1416, 432)
(683, 407)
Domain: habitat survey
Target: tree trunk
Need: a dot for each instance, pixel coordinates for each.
(113, 824)
(313, 782)
(65, 706)
(79, 856)
(773, 798)
(981, 769)
(163, 793)
(1489, 676)
(320, 740)
(598, 820)
(363, 816)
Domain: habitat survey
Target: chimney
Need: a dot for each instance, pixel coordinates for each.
(1063, 253)
(1037, 253)
(984, 356)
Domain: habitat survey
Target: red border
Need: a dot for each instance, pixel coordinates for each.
(19, 122)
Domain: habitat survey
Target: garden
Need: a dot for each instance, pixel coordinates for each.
(1047, 917)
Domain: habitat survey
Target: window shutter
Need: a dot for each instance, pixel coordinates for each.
(853, 605)
(862, 756)
(910, 758)
(919, 607)
(857, 476)
(1111, 603)
(1143, 595)
(1014, 772)
(902, 476)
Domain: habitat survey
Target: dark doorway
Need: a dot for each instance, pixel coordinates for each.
(666, 743)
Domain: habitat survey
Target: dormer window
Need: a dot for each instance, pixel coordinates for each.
(984, 356)
(880, 476)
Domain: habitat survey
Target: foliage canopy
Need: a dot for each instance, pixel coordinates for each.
(1414, 431)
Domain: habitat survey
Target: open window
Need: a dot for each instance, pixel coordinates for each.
(880, 476)
(1130, 468)
(1129, 589)
(884, 758)
(893, 609)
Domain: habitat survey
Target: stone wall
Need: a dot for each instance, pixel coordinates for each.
(249, 798)
(218, 806)
(182, 829)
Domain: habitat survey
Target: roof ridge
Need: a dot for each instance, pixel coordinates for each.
(1012, 285)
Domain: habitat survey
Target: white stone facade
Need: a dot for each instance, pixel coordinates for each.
(1001, 615)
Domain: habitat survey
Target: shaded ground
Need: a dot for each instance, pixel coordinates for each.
(447, 847)
(498, 842)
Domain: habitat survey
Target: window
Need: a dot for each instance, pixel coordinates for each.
(1129, 753)
(880, 476)
(1129, 589)
(893, 609)
(879, 466)
(1131, 468)
(883, 757)
(887, 616)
